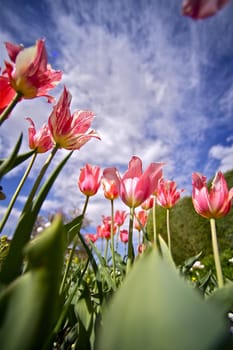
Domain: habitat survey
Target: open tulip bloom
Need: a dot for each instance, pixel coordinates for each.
(70, 131)
(29, 73)
(214, 203)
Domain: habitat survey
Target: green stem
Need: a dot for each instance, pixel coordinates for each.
(39, 178)
(17, 191)
(9, 108)
(130, 242)
(216, 253)
(112, 242)
(117, 237)
(72, 251)
(168, 231)
(106, 250)
(154, 220)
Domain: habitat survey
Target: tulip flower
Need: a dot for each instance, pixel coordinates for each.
(212, 204)
(70, 131)
(167, 194)
(41, 140)
(200, 9)
(135, 185)
(6, 93)
(110, 183)
(89, 180)
(91, 237)
(148, 203)
(120, 217)
(124, 236)
(29, 73)
(141, 220)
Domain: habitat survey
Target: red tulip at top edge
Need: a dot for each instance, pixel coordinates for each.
(6, 92)
(29, 72)
(135, 185)
(70, 131)
(200, 9)
(167, 194)
(214, 203)
(89, 180)
(40, 140)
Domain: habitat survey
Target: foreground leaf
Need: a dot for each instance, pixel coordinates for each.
(155, 309)
(13, 263)
(29, 305)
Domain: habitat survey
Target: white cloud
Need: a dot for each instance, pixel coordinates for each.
(224, 154)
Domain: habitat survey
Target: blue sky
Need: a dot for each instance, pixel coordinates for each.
(161, 86)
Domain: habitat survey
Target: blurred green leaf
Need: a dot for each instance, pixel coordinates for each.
(223, 297)
(13, 263)
(30, 304)
(155, 309)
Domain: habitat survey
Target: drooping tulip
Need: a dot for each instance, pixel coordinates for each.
(39, 140)
(29, 73)
(200, 9)
(89, 180)
(70, 131)
(214, 203)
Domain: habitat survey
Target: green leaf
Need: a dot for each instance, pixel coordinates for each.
(13, 263)
(14, 159)
(155, 309)
(30, 304)
(223, 297)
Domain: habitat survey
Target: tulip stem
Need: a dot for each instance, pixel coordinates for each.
(39, 178)
(154, 219)
(130, 241)
(168, 230)
(10, 107)
(216, 253)
(112, 242)
(72, 251)
(17, 191)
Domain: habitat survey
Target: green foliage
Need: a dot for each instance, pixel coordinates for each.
(30, 304)
(160, 311)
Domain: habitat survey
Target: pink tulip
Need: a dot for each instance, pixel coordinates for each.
(148, 204)
(41, 140)
(89, 180)
(110, 184)
(141, 220)
(120, 217)
(214, 203)
(200, 9)
(167, 194)
(70, 132)
(29, 73)
(91, 237)
(135, 185)
(124, 236)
